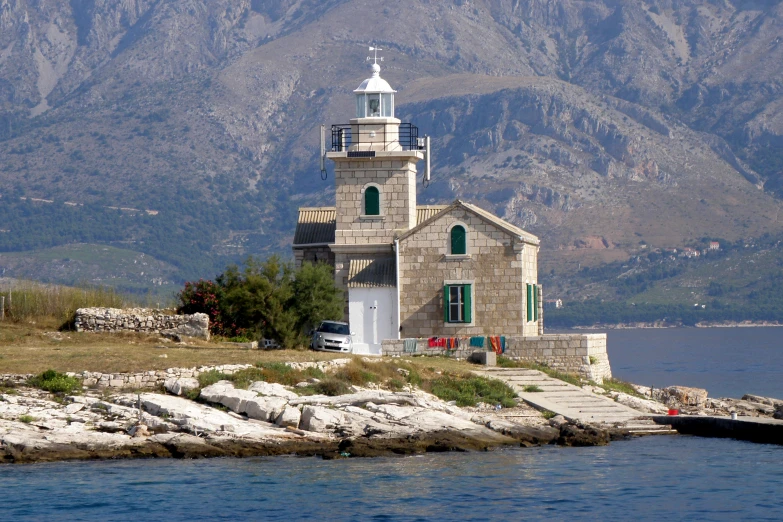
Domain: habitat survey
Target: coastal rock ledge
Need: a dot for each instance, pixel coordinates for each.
(264, 419)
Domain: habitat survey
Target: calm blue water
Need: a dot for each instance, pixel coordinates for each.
(652, 478)
(673, 478)
(728, 362)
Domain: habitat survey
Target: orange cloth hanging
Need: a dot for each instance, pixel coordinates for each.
(494, 342)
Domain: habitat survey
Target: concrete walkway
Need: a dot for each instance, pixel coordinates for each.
(570, 401)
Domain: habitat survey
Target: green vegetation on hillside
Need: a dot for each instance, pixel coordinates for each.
(743, 281)
(183, 233)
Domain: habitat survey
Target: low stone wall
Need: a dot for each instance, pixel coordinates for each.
(141, 320)
(149, 379)
(582, 354)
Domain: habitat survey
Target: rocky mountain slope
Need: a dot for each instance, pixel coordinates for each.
(596, 125)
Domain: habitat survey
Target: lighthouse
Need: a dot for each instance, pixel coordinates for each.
(407, 271)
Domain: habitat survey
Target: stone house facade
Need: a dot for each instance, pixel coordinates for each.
(408, 270)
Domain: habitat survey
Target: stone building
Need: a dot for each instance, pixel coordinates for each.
(413, 271)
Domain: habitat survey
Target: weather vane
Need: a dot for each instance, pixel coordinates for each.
(375, 56)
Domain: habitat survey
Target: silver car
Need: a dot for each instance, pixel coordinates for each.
(332, 336)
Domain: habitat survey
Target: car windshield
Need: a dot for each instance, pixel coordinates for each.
(334, 328)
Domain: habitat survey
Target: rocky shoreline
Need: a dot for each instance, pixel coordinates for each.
(263, 420)
(268, 419)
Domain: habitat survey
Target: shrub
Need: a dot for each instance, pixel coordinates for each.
(332, 387)
(620, 386)
(266, 300)
(55, 382)
(243, 378)
(532, 388)
(205, 297)
(211, 377)
(27, 419)
(470, 390)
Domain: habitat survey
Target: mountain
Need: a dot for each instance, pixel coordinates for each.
(188, 130)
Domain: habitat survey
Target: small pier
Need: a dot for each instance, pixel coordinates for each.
(752, 429)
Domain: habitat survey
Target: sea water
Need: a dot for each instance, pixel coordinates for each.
(650, 478)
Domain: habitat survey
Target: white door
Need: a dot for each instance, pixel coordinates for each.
(371, 313)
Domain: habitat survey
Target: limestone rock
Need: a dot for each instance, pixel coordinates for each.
(198, 418)
(290, 416)
(178, 386)
(74, 408)
(572, 435)
(528, 434)
(643, 405)
(557, 421)
(683, 395)
(265, 408)
(272, 390)
(223, 392)
(320, 419)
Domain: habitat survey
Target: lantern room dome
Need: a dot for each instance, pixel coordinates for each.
(375, 83)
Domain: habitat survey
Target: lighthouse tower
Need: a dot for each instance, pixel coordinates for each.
(375, 156)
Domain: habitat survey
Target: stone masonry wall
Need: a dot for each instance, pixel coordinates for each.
(141, 320)
(396, 179)
(581, 354)
(497, 269)
(148, 379)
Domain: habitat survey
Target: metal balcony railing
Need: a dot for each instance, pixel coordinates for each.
(375, 137)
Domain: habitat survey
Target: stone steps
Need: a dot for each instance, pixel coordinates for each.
(568, 400)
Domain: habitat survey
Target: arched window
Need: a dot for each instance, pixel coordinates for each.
(458, 240)
(372, 201)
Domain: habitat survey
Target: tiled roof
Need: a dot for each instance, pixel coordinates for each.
(372, 273)
(423, 213)
(315, 225)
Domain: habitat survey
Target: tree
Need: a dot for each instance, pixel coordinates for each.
(266, 300)
(316, 298)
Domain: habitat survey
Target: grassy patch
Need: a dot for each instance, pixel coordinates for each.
(332, 387)
(620, 386)
(27, 419)
(55, 382)
(469, 390)
(548, 414)
(211, 377)
(532, 388)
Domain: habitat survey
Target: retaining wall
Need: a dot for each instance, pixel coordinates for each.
(582, 354)
(148, 379)
(141, 320)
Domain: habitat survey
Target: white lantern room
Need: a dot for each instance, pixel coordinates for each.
(375, 97)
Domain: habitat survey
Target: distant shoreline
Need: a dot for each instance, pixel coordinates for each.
(661, 325)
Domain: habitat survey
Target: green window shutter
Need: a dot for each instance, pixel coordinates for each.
(529, 303)
(535, 302)
(372, 202)
(446, 303)
(458, 241)
(467, 299)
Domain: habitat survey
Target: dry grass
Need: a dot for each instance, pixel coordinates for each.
(33, 347)
(27, 300)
